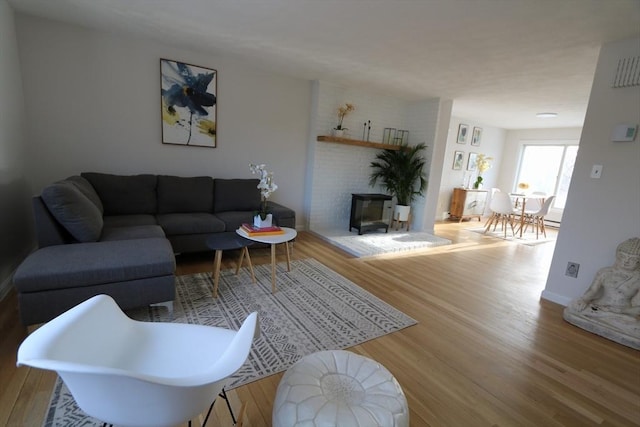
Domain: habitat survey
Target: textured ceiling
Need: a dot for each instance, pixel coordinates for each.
(501, 61)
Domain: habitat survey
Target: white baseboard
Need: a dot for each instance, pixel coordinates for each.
(553, 297)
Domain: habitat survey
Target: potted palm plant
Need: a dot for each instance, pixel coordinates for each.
(400, 173)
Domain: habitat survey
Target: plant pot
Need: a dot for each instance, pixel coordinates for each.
(339, 133)
(259, 222)
(401, 213)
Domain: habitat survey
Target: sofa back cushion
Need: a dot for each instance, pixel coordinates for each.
(236, 195)
(74, 211)
(87, 189)
(125, 194)
(185, 195)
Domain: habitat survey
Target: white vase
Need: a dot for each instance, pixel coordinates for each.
(339, 133)
(261, 223)
(401, 213)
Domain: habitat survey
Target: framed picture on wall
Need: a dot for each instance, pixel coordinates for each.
(458, 160)
(471, 164)
(463, 130)
(189, 104)
(475, 138)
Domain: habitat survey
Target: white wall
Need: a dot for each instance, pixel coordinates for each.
(492, 144)
(600, 213)
(93, 104)
(340, 170)
(15, 225)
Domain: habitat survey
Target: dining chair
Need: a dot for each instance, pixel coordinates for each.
(536, 219)
(501, 212)
(130, 373)
(535, 201)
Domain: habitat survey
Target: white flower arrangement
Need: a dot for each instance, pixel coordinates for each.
(266, 185)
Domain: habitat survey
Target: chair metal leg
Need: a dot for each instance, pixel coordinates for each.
(223, 394)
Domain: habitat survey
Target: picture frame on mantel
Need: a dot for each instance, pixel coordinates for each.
(477, 135)
(189, 104)
(463, 130)
(458, 160)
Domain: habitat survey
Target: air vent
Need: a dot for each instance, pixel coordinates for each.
(627, 73)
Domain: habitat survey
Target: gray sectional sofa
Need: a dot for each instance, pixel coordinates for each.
(116, 234)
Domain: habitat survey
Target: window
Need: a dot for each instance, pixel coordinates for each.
(548, 168)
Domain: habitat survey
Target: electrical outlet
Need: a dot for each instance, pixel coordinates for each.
(572, 269)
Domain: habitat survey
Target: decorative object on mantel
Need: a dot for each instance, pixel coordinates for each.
(189, 104)
(388, 135)
(483, 164)
(402, 137)
(343, 111)
(366, 130)
(611, 305)
(400, 172)
(266, 186)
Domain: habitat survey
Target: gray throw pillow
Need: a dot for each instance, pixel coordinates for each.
(87, 189)
(74, 211)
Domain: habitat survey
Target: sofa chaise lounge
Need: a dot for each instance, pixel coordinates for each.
(117, 235)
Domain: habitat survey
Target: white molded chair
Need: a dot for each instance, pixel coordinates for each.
(132, 373)
(537, 218)
(535, 202)
(501, 212)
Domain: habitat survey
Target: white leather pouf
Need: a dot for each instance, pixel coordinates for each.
(339, 388)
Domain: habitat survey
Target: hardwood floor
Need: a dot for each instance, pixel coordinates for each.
(486, 351)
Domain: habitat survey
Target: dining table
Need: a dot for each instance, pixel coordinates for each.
(520, 202)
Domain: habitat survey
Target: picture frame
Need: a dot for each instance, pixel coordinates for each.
(458, 160)
(463, 131)
(189, 104)
(477, 135)
(471, 163)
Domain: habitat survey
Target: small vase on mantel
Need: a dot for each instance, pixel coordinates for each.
(261, 223)
(338, 133)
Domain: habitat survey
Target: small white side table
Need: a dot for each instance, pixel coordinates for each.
(273, 240)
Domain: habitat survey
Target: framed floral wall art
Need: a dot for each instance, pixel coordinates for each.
(475, 138)
(189, 104)
(458, 160)
(463, 130)
(472, 162)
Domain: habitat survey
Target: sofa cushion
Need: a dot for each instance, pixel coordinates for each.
(86, 264)
(125, 194)
(74, 211)
(131, 232)
(87, 189)
(234, 219)
(189, 223)
(178, 195)
(236, 195)
(129, 220)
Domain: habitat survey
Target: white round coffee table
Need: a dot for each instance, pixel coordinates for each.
(273, 240)
(339, 388)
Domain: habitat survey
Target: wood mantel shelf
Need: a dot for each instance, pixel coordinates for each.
(347, 141)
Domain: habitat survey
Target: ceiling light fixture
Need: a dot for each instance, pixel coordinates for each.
(546, 115)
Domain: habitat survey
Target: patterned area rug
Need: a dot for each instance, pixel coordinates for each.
(314, 309)
(378, 243)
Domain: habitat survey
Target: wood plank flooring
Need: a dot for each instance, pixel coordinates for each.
(486, 352)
